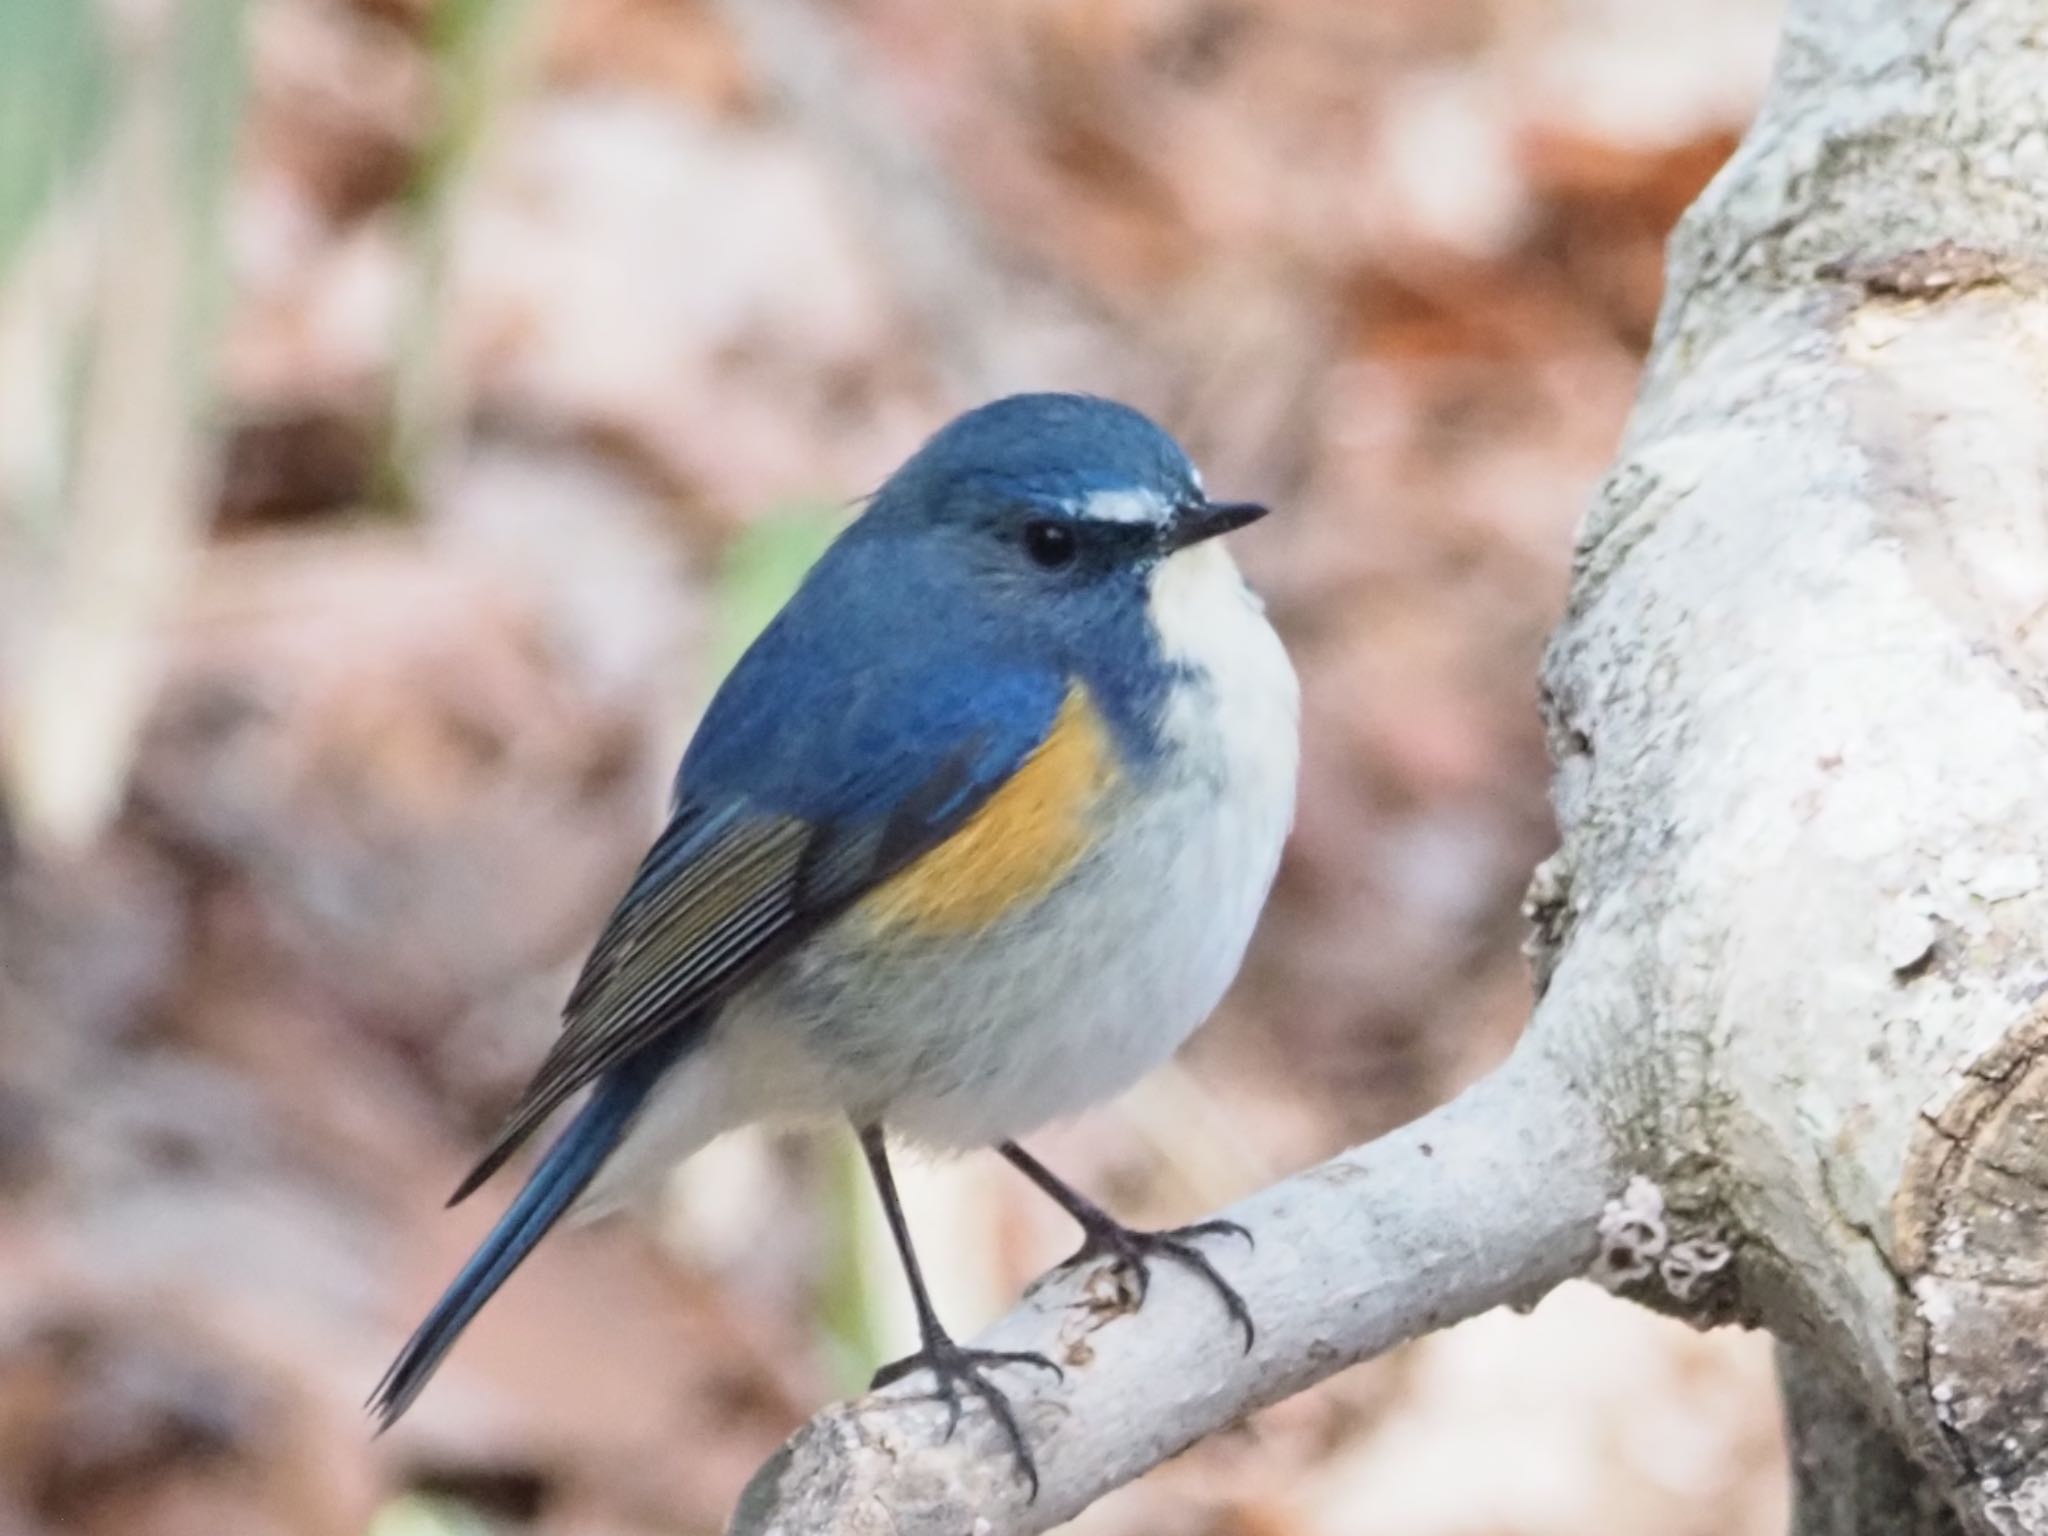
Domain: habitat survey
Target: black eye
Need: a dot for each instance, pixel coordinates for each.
(1050, 544)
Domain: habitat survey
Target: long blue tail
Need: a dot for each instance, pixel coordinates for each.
(563, 1174)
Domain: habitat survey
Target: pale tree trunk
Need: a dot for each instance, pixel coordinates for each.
(1790, 1065)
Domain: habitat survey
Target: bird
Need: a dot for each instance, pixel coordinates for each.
(973, 835)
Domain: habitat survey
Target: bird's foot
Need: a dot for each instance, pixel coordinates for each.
(1133, 1252)
(956, 1368)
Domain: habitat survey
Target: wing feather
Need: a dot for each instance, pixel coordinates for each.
(717, 897)
(695, 920)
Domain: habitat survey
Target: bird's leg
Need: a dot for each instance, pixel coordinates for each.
(1103, 1236)
(953, 1366)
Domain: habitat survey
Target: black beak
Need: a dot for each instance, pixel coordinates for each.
(1208, 519)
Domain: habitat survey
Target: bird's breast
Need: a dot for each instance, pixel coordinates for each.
(1023, 840)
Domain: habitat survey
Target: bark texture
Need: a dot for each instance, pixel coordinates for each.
(1797, 707)
(1790, 1066)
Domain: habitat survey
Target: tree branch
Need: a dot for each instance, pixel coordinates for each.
(1493, 1198)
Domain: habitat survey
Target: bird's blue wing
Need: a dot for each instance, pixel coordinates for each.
(835, 754)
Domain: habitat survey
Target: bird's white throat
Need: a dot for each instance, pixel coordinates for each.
(1200, 605)
(1248, 708)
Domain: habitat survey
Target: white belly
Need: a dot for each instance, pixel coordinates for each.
(1105, 980)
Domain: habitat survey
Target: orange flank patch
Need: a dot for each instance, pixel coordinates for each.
(1016, 847)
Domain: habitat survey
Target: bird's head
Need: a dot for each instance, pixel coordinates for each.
(1066, 514)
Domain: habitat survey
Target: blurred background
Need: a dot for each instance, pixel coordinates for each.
(408, 408)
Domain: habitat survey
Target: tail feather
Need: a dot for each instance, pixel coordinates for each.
(563, 1174)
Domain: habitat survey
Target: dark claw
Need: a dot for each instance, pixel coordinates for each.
(1219, 1229)
(1134, 1251)
(954, 1366)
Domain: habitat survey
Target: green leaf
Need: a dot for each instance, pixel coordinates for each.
(418, 1514)
(760, 571)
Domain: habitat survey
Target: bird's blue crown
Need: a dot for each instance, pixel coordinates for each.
(1054, 450)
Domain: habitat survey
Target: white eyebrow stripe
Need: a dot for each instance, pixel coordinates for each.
(1126, 506)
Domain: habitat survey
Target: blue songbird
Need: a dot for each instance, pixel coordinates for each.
(973, 835)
